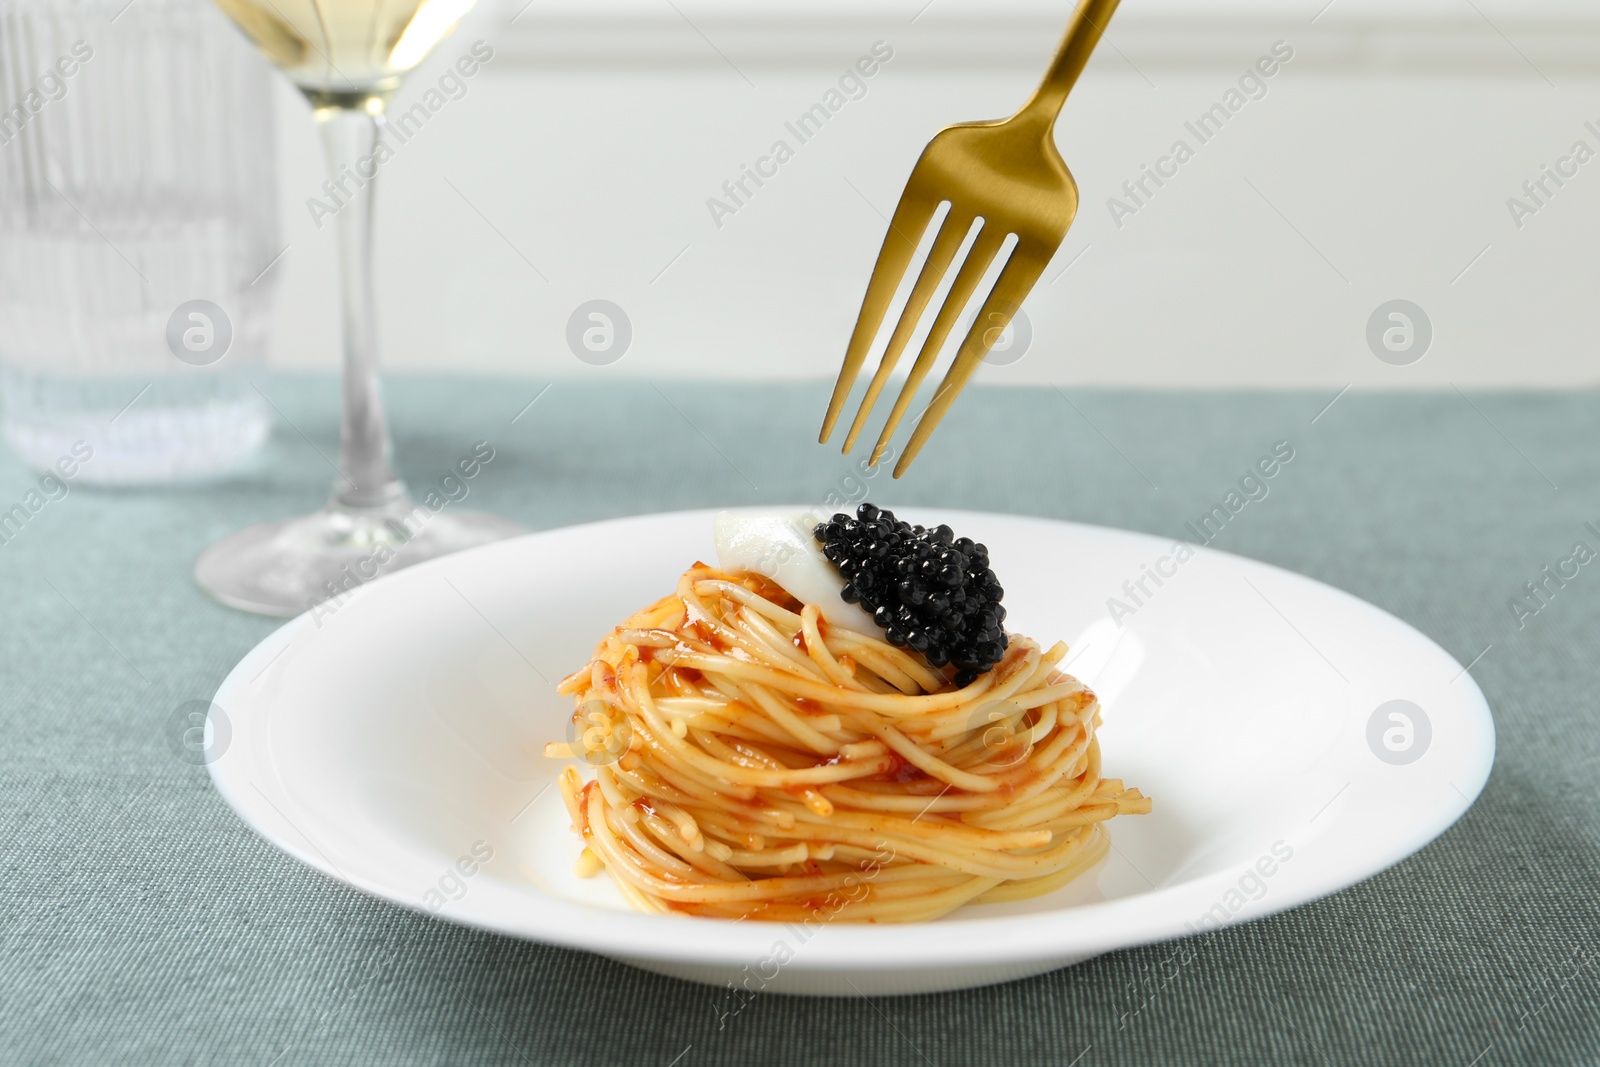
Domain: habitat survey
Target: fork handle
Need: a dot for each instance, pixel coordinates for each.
(1088, 23)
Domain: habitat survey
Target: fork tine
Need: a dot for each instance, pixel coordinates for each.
(1010, 289)
(911, 218)
(967, 279)
(945, 246)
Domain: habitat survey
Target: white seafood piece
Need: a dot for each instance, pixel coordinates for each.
(780, 546)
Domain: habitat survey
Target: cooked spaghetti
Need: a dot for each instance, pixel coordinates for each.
(754, 762)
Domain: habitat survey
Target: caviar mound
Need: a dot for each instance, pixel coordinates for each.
(928, 589)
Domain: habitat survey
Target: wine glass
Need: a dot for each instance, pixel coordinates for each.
(347, 57)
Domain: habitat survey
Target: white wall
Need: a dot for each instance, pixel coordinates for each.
(1378, 166)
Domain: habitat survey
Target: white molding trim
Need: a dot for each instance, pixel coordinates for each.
(1535, 39)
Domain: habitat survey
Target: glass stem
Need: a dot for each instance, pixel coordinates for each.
(366, 472)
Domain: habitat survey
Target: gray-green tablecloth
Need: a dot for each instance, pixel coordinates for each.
(143, 923)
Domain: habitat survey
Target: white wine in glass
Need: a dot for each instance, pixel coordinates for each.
(347, 57)
(344, 52)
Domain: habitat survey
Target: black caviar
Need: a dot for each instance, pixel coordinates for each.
(929, 590)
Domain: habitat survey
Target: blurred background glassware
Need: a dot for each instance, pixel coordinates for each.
(347, 57)
(137, 174)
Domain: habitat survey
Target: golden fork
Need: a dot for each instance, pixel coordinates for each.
(1007, 173)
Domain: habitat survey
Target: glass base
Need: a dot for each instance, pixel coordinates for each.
(286, 568)
(178, 428)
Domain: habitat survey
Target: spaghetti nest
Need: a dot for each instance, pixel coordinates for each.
(754, 762)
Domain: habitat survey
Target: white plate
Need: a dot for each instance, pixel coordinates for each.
(395, 744)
